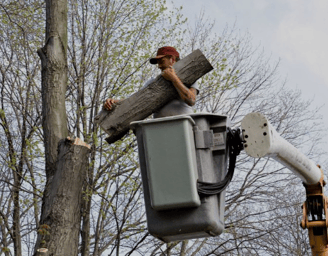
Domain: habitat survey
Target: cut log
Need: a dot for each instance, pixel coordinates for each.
(116, 122)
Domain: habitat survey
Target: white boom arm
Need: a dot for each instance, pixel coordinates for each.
(262, 140)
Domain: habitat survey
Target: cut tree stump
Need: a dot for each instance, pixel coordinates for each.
(63, 196)
(116, 122)
(42, 252)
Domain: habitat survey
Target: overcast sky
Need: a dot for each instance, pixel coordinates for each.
(294, 31)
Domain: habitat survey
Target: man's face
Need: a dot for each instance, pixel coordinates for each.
(165, 62)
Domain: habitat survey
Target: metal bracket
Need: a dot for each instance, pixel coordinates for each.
(316, 207)
(203, 139)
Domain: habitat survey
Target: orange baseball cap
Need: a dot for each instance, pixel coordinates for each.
(163, 51)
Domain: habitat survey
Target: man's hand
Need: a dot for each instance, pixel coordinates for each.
(188, 95)
(169, 74)
(108, 104)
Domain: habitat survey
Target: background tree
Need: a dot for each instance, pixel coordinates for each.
(20, 115)
(109, 43)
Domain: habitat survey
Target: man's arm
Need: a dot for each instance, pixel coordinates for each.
(188, 95)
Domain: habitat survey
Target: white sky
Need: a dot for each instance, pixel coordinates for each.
(294, 31)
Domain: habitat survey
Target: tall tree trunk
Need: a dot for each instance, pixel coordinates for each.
(16, 216)
(85, 231)
(17, 174)
(54, 80)
(66, 163)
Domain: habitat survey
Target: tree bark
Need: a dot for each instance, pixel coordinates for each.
(54, 80)
(85, 230)
(16, 213)
(116, 123)
(62, 207)
(66, 164)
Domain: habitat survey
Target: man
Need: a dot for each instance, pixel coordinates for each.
(166, 57)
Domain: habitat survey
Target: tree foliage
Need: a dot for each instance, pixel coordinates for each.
(109, 43)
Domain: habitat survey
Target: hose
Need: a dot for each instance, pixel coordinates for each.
(235, 145)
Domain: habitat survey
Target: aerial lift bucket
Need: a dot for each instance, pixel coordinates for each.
(175, 152)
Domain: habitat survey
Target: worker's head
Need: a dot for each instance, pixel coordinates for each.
(166, 56)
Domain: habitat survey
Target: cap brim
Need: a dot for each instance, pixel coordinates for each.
(154, 60)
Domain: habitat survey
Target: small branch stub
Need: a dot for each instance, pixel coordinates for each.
(42, 252)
